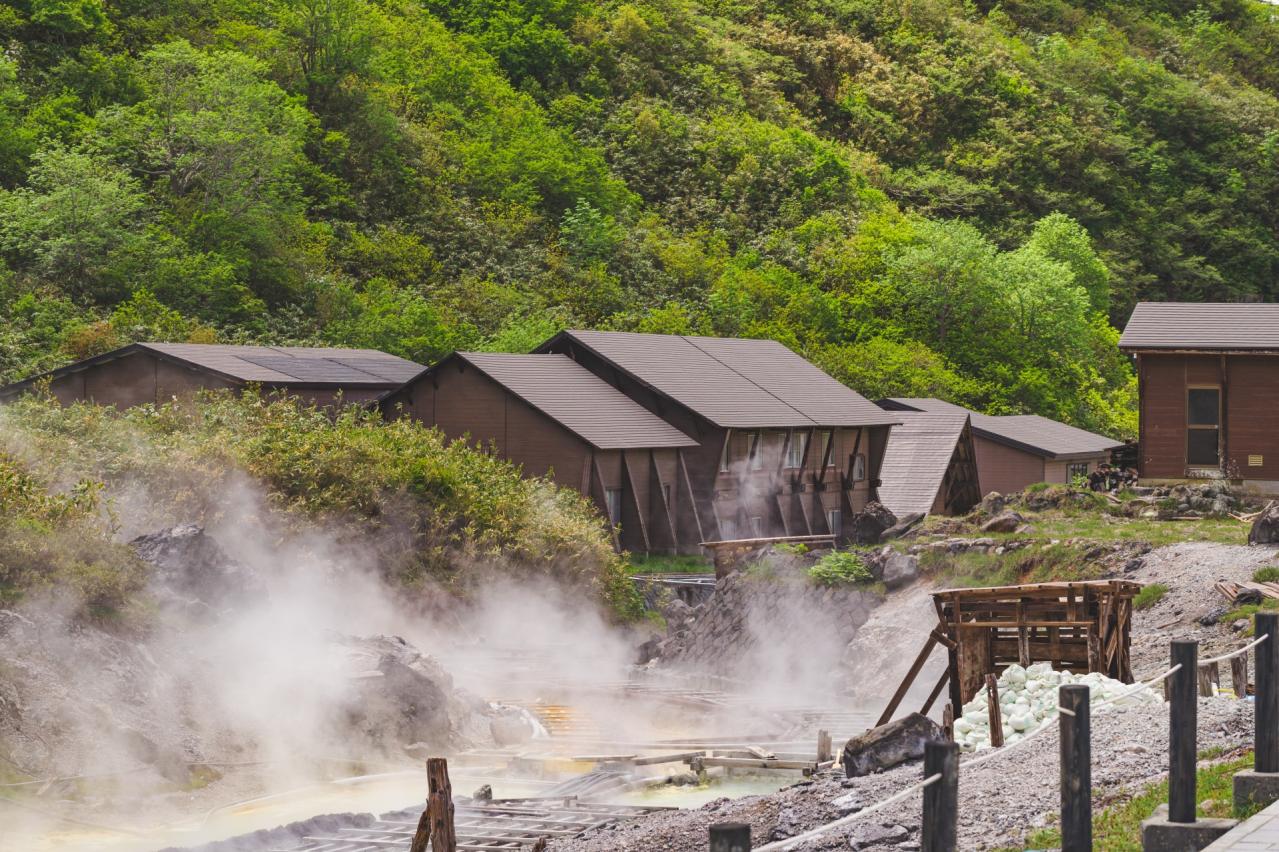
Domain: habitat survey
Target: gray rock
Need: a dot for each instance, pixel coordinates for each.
(1265, 529)
(847, 804)
(888, 745)
(1003, 523)
(866, 526)
(992, 504)
(904, 525)
(872, 834)
(900, 569)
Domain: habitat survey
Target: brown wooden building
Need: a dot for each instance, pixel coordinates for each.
(157, 372)
(555, 418)
(1208, 378)
(930, 466)
(1018, 450)
(781, 447)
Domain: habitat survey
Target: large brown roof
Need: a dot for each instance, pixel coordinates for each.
(916, 459)
(1201, 325)
(293, 366)
(734, 382)
(578, 399)
(1028, 432)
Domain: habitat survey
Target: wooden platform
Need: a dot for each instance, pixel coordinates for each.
(1081, 626)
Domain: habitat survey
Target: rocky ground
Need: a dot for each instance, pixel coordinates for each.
(1000, 800)
(1008, 796)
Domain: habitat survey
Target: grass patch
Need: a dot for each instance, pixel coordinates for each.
(1107, 527)
(1248, 611)
(1268, 574)
(667, 564)
(1034, 564)
(1149, 596)
(1117, 827)
(840, 568)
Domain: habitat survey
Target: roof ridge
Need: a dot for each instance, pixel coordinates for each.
(689, 340)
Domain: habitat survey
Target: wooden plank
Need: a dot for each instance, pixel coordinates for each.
(932, 696)
(909, 679)
(993, 708)
(755, 763)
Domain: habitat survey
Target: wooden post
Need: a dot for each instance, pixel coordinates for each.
(941, 798)
(996, 715)
(439, 805)
(1076, 768)
(1205, 682)
(1266, 712)
(948, 721)
(1239, 675)
(824, 750)
(1182, 721)
(731, 837)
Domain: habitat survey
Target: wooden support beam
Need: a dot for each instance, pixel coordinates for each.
(996, 715)
(909, 679)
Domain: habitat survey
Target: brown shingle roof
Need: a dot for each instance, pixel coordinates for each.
(1029, 432)
(916, 459)
(1199, 325)
(579, 400)
(293, 366)
(734, 382)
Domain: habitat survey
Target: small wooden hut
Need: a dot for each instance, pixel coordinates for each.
(1081, 626)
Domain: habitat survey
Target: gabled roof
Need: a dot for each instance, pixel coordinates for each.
(916, 460)
(577, 399)
(1202, 325)
(732, 382)
(1028, 432)
(273, 366)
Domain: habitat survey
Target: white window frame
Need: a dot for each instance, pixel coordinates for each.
(613, 505)
(835, 520)
(795, 449)
(755, 457)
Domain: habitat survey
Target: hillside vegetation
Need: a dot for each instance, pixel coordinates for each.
(394, 499)
(926, 197)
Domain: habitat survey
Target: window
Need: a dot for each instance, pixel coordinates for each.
(728, 530)
(827, 436)
(835, 520)
(859, 467)
(795, 449)
(1076, 470)
(757, 527)
(666, 493)
(756, 452)
(1203, 427)
(723, 456)
(613, 500)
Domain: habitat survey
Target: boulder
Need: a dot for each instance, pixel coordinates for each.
(992, 504)
(1004, 522)
(904, 525)
(866, 526)
(900, 569)
(189, 566)
(1265, 529)
(888, 745)
(868, 835)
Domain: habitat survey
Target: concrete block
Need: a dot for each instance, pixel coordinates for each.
(1160, 835)
(1253, 788)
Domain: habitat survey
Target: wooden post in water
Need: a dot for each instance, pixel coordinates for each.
(1266, 712)
(1183, 714)
(1076, 768)
(825, 750)
(1239, 675)
(941, 798)
(996, 712)
(731, 837)
(439, 805)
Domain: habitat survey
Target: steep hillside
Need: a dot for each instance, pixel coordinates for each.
(930, 197)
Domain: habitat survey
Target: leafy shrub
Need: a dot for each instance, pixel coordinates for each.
(840, 568)
(1149, 596)
(1268, 574)
(432, 510)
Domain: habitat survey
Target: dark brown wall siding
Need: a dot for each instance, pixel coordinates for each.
(135, 379)
(1163, 416)
(1005, 469)
(1251, 394)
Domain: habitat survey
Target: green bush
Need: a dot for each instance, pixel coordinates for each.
(1268, 574)
(840, 568)
(1149, 595)
(426, 509)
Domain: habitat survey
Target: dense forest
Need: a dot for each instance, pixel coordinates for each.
(927, 197)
